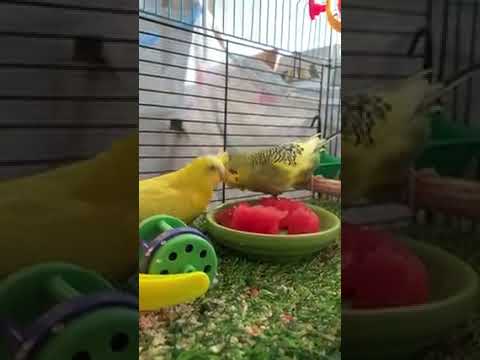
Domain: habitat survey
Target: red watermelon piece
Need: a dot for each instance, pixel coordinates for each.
(303, 221)
(283, 204)
(348, 280)
(348, 252)
(378, 271)
(257, 219)
(268, 201)
(224, 216)
(359, 241)
(389, 279)
(419, 288)
(379, 280)
(270, 216)
(291, 206)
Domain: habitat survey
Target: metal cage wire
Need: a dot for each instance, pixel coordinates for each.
(73, 92)
(204, 89)
(400, 39)
(457, 49)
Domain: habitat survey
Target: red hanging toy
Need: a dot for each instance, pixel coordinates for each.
(333, 17)
(315, 9)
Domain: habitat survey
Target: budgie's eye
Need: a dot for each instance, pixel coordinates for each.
(212, 168)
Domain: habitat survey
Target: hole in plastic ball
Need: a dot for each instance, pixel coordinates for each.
(189, 248)
(172, 256)
(119, 342)
(164, 272)
(82, 355)
(207, 268)
(203, 253)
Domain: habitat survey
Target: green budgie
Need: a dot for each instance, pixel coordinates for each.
(277, 169)
(383, 132)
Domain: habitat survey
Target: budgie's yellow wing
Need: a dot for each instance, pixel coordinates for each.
(106, 178)
(113, 173)
(47, 217)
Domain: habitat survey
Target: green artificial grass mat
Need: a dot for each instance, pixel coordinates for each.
(257, 311)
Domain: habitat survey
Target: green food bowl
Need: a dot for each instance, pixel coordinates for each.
(451, 147)
(329, 166)
(278, 248)
(399, 333)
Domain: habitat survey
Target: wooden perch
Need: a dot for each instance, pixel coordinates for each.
(456, 197)
(326, 186)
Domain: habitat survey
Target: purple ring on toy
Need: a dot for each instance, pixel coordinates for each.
(23, 342)
(160, 240)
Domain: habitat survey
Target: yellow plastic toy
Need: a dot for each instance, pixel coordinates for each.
(159, 291)
(177, 263)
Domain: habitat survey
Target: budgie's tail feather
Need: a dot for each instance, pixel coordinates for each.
(325, 141)
(443, 89)
(333, 136)
(380, 87)
(328, 138)
(396, 85)
(418, 75)
(317, 141)
(459, 79)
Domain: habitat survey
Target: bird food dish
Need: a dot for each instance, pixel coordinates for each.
(387, 333)
(278, 247)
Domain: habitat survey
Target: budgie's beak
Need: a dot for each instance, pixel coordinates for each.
(223, 172)
(223, 157)
(229, 178)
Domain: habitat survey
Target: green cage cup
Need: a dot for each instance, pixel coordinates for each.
(327, 165)
(60, 311)
(169, 246)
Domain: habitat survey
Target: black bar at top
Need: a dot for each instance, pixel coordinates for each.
(71, 7)
(99, 68)
(40, 35)
(384, 10)
(79, 98)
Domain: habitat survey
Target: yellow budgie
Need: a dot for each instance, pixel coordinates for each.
(383, 131)
(70, 214)
(274, 170)
(91, 180)
(110, 171)
(184, 193)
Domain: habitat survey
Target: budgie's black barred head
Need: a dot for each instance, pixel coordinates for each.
(360, 113)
